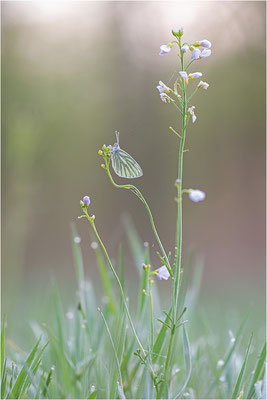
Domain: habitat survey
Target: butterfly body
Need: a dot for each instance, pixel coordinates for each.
(123, 164)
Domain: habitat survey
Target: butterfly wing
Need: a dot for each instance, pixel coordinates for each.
(124, 165)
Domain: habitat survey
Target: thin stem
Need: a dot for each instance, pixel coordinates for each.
(151, 315)
(188, 101)
(117, 279)
(174, 131)
(188, 65)
(175, 105)
(91, 220)
(114, 348)
(179, 201)
(176, 282)
(141, 197)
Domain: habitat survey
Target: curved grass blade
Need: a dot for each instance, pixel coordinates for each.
(188, 363)
(257, 372)
(242, 371)
(228, 356)
(31, 364)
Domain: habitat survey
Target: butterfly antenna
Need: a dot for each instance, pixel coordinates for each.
(117, 136)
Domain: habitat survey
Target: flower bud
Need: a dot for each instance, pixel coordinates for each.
(197, 195)
(195, 75)
(162, 273)
(195, 55)
(183, 74)
(184, 48)
(205, 53)
(179, 33)
(164, 49)
(203, 85)
(205, 43)
(100, 152)
(86, 201)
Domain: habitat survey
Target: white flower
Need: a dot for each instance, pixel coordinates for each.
(203, 85)
(164, 49)
(183, 74)
(162, 88)
(196, 195)
(184, 48)
(192, 113)
(162, 273)
(205, 53)
(195, 55)
(195, 75)
(164, 97)
(204, 43)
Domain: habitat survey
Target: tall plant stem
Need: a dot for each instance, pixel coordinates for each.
(151, 315)
(141, 197)
(179, 227)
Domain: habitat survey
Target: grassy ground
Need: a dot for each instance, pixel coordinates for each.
(85, 350)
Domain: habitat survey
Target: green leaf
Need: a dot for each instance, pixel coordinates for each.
(106, 280)
(228, 356)
(92, 395)
(3, 380)
(136, 245)
(2, 345)
(15, 394)
(120, 391)
(77, 253)
(160, 340)
(241, 373)
(188, 364)
(257, 370)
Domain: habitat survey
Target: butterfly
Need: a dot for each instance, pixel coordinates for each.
(123, 164)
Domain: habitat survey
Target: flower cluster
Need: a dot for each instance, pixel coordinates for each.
(199, 49)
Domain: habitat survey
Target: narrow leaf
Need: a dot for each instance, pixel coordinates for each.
(257, 370)
(188, 364)
(242, 371)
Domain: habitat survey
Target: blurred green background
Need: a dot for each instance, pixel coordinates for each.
(72, 74)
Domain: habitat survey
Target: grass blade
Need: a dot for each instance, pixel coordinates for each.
(136, 245)
(15, 394)
(77, 254)
(3, 380)
(115, 354)
(241, 373)
(257, 371)
(188, 364)
(106, 280)
(229, 355)
(2, 345)
(160, 340)
(92, 395)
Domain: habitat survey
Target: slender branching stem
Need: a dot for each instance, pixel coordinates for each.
(91, 220)
(144, 354)
(179, 225)
(141, 197)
